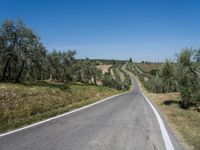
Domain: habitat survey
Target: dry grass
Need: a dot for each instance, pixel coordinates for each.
(184, 123)
(121, 75)
(104, 68)
(145, 67)
(22, 104)
(112, 73)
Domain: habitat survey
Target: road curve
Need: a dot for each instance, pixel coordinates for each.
(125, 122)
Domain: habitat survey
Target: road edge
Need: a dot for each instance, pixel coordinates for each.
(64, 114)
(163, 129)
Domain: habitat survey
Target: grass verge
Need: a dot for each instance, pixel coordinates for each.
(185, 123)
(22, 104)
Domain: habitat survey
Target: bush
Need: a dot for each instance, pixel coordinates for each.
(153, 72)
(109, 81)
(184, 76)
(154, 85)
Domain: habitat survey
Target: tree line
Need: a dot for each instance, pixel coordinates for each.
(181, 76)
(23, 57)
(115, 82)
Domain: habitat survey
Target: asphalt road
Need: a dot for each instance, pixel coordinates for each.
(125, 122)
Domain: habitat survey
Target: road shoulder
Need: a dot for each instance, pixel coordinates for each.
(176, 137)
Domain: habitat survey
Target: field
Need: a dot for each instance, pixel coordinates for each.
(147, 67)
(104, 68)
(118, 74)
(25, 103)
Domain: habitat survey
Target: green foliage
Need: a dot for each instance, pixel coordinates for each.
(21, 54)
(59, 65)
(154, 85)
(187, 76)
(115, 71)
(157, 81)
(153, 72)
(127, 81)
(183, 76)
(116, 82)
(167, 77)
(197, 55)
(24, 58)
(109, 81)
(86, 71)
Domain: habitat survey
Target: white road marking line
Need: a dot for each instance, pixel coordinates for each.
(64, 114)
(165, 135)
(166, 138)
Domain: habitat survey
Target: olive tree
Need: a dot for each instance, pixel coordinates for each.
(187, 78)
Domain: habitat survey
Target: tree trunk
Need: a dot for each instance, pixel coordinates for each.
(11, 47)
(41, 77)
(50, 78)
(95, 80)
(20, 72)
(9, 71)
(5, 69)
(28, 72)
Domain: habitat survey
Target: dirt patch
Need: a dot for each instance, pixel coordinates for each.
(104, 68)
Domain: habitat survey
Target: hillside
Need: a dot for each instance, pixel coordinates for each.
(25, 103)
(147, 67)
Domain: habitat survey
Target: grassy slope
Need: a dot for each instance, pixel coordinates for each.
(22, 104)
(104, 67)
(145, 67)
(121, 75)
(185, 123)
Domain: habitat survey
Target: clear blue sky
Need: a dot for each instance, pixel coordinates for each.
(142, 29)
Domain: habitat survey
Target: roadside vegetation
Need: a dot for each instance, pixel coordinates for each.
(149, 67)
(184, 122)
(114, 80)
(24, 103)
(23, 58)
(119, 75)
(181, 76)
(175, 88)
(36, 83)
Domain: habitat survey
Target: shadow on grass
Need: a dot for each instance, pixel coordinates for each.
(180, 104)
(170, 102)
(61, 86)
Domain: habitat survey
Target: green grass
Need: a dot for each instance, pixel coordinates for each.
(22, 104)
